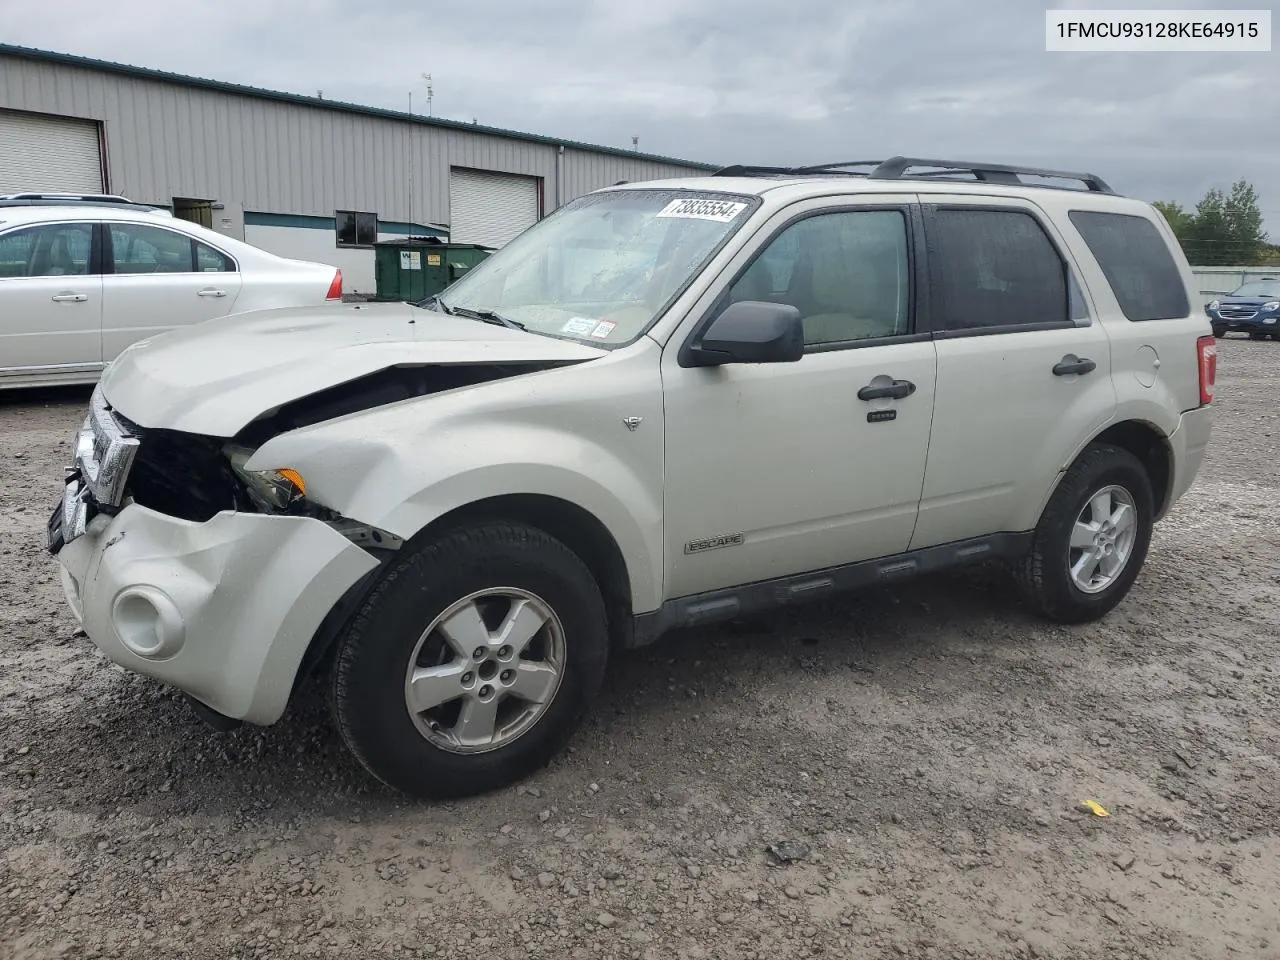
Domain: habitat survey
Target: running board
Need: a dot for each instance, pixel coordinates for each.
(717, 606)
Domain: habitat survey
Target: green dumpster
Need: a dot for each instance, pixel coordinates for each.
(419, 267)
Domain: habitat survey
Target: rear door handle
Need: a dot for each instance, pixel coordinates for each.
(894, 390)
(1072, 364)
(70, 298)
(211, 292)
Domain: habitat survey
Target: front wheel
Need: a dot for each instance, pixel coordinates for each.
(1092, 538)
(1257, 336)
(472, 662)
(1219, 332)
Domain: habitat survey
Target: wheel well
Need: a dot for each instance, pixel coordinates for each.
(576, 528)
(1149, 445)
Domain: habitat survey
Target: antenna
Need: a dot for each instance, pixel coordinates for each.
(635, 143)
(430, 93)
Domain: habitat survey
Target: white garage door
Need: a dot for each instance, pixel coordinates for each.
(40, 154)
(490, 208)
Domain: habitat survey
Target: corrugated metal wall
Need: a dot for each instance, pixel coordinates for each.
(1220, 281)
(168, 140)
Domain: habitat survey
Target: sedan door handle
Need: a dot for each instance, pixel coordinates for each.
(211, 292)
(70, 298)
(893, 390)
(1072, 364)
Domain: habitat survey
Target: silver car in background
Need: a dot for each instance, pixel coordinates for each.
(83, 277)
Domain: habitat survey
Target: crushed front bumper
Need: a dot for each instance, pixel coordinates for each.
(223, 610)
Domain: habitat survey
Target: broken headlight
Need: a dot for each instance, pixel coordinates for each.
(273, 489)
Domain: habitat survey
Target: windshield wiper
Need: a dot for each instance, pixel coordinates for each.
(440, 305)
(488, 316)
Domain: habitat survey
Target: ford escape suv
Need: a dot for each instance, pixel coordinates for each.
(666, 404)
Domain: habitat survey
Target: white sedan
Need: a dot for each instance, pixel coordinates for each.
(82, 278)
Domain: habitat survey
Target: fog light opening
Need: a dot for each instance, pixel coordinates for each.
(148, 623)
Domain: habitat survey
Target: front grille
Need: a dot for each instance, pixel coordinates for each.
(1238, 313)
(184, 475)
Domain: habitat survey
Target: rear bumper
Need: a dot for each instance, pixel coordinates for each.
(223, 610)
(1188, 442)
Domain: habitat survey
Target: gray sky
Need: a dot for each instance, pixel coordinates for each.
(761, 81)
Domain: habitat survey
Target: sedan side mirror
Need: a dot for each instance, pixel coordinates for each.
(751, 331)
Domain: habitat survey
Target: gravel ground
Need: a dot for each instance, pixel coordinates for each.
(927, 748)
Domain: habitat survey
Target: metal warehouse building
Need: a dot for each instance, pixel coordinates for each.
(299, 176)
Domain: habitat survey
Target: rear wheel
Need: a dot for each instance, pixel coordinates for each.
(472, 663)
(1092, 539)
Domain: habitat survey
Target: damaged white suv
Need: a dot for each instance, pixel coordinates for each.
(666, 404)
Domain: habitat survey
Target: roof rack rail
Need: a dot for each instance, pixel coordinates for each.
(896, 168)
(76, 199)
(93, 197)
(741, 170)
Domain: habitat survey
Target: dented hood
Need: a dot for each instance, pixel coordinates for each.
(216, 377)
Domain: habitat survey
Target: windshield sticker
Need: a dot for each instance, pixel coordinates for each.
(579, 327)
(603, 329)
(722, 211)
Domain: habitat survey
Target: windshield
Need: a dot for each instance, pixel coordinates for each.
(1259, 288)
(602, 268)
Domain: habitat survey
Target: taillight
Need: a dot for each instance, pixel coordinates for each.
(1207, 347)
(335, 288)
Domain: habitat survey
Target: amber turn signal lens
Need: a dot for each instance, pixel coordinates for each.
(294, 477)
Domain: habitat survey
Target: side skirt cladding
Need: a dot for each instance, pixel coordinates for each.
(717, 606)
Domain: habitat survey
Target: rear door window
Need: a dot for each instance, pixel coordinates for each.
(1137, 263)
(138, 248)
(992, 270)
(209, 260)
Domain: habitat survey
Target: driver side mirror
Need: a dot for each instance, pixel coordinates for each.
(751, 331)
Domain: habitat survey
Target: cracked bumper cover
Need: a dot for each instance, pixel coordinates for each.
(223, 610)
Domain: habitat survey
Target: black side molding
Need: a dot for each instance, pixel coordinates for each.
(720, 605)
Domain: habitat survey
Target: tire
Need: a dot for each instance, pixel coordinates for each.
(1045, 575)
(370, 689)
(1219, 332)
(1257, 336)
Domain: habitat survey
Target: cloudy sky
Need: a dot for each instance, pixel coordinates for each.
(762, 81)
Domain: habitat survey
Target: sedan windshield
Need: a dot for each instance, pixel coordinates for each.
(1259, 288)
(602, 268)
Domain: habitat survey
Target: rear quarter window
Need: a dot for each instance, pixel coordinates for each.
(1135, 260)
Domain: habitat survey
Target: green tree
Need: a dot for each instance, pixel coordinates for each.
(1225, 229)
(1178, 218)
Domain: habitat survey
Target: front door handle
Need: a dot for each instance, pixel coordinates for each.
(211, 292)
(893, 390)
(1072, 364)
(70, 298)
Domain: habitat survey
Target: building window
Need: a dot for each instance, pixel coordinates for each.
(356, 229)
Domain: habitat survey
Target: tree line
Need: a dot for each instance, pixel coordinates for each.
(1225, 229)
